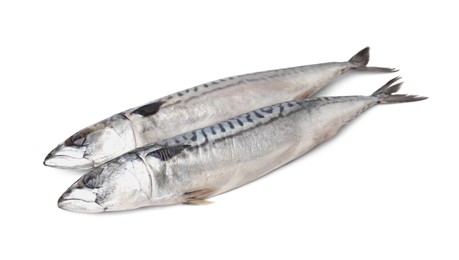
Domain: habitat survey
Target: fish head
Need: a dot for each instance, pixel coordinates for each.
(121, 184)
(94, 145)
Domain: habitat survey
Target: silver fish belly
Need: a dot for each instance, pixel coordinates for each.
(209, 161)
(196, 107)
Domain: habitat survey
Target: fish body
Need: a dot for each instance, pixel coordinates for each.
(194, 166)
(194, 108)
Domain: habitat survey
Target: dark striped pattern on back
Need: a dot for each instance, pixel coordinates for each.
(203, 89)
(239, 125)
(235, 125)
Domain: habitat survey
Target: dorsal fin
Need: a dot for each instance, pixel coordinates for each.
(167, 153)
(148, 109)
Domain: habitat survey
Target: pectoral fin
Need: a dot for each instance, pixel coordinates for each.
(148, 109)
(167, 153)
(198, 202)
(198, 197)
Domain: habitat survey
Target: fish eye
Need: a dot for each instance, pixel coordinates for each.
(91, 181)
(78, 139)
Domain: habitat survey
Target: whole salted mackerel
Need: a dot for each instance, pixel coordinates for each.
(192, 167)
(196, 107)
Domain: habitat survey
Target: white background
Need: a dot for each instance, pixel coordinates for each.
(385, 188)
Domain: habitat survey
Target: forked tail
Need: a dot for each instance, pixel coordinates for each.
(360, 61)
(385, 93)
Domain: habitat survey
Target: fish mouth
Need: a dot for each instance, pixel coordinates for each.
(67, 162)
(68, 157)
(79, 205)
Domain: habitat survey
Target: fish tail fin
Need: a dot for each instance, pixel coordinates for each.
(386, 96)
(360, 60)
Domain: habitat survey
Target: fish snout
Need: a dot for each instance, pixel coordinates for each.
(72, 203)
(68, 158)
(47, 159)
(66, 162)
(79, 206)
